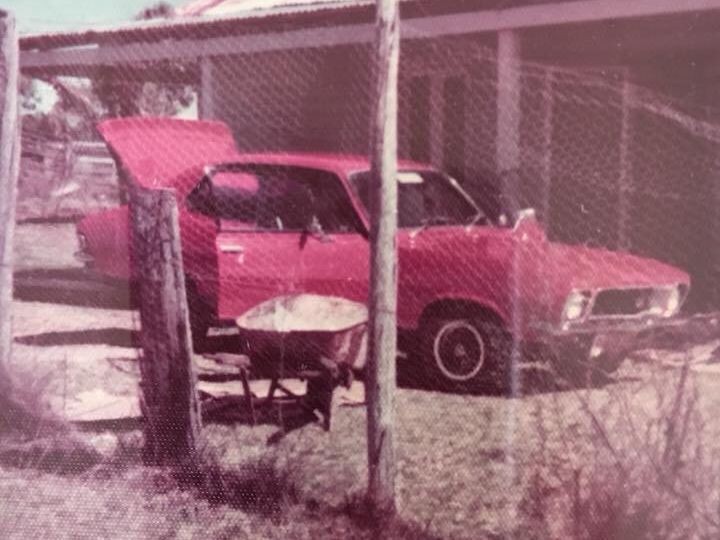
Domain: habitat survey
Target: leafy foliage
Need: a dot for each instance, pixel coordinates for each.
(29, 95)
(131, 96)
(109, 93)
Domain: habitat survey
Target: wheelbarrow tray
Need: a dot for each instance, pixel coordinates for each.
(305, 328)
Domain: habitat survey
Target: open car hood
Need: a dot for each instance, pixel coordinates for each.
(157, 151)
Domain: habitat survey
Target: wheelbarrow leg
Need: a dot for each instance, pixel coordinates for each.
(319, 396)
(320, 391)
(271, 391)
(249, 398)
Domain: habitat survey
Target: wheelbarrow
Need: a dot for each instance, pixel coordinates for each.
(319, 339)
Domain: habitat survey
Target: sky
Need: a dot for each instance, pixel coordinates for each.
(47, 15)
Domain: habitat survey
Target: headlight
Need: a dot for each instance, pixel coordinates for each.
(576, 305)
(82, 241)
(666, 302)
(82, 255)
(672, 303)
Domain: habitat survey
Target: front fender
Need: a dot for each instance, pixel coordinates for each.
(410, 315)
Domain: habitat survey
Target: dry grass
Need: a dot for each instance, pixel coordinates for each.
(33, 437)
(636, 455)
(259, 486)
(469, 467)
(652, 473)
(119, 498)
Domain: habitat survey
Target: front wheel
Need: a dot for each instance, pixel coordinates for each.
(465, 353)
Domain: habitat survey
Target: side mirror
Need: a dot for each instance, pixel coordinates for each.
(525, 215)
(528, 227)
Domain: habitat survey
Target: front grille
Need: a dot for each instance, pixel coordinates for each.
(619, 302)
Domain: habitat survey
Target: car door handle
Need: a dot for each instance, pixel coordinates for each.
(231, 248)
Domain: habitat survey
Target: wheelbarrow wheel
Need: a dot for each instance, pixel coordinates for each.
(465, 354)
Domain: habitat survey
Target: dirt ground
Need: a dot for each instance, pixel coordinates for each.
(464, 461)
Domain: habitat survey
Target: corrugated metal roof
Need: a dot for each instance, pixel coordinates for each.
(201, 19)
(217, 8)
(171, 28)
(239, 16)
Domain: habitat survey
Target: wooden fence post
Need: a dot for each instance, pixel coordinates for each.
(168, 381)
(382, 342)
(9, 167)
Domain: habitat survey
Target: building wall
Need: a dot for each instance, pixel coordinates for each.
(296, 100)
(601, 171)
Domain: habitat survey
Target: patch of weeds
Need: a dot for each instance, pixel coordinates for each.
(60, 454)
(388, 526)
(533, 509)
(649, 476)
(22, 409)
(260, 486)
(609, 506)
(31, 437)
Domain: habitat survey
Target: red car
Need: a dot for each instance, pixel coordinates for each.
(258, 226)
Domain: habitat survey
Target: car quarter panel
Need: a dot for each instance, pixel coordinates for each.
(107, 236)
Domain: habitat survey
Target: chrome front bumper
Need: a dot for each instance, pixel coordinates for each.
(606, 337)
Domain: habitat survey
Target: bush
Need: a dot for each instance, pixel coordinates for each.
(259, 486)
(646, 475)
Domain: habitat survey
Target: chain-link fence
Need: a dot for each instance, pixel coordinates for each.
(275, 202)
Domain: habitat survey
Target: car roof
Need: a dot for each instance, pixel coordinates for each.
(339, 163)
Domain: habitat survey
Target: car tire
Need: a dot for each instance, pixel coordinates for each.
(134, 295)
(199, 313)
(465, 354)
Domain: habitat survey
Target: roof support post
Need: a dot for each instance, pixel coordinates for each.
(625, 181)
(548, 124)
(435, 115)
(508, 101)
(206, 99)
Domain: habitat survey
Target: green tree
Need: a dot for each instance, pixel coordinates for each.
(29, 95)
(127, 94)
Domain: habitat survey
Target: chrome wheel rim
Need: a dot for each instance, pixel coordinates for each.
(459, 351)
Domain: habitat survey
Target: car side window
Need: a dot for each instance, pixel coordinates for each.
(283, 203)
(200, 199)
(226, 196)
(279, 198)
(331, 204)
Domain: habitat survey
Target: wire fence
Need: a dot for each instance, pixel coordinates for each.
(275, 201)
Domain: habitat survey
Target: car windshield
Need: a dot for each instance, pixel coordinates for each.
(425, 198)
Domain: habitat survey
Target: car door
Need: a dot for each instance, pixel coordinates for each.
(335, 251)
(261, 219)
(199, 233)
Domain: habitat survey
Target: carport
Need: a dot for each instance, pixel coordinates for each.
(604, 110)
